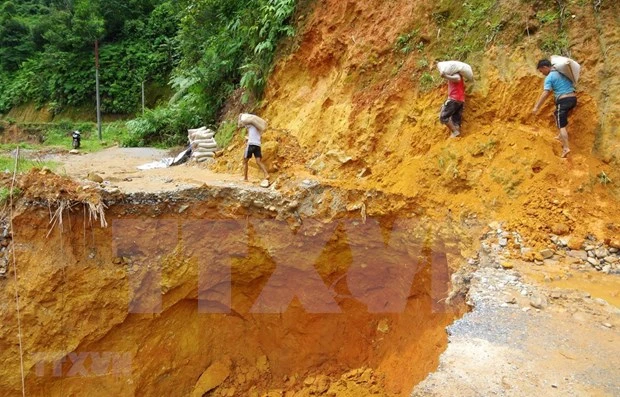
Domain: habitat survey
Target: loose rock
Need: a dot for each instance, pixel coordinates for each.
(214, 376)
(578, 254)
(94, 177)
(546, 253)
(601, 252)
(560, 229)
(538, 301)
(575, 243)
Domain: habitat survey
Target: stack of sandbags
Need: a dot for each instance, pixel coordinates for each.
(454, 67)
(567, 67)
(202, 143)
(250, 119)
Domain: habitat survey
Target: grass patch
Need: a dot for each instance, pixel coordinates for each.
(555, 44)
(21, 145)
(225, 133)
(547, 16)
(5, 194)
(407, 42)
(427, 81)
(7, 164)
(603, 178)
(448, 163)
(59, 135)
(509, 180)
(468, 27)
(484, 148)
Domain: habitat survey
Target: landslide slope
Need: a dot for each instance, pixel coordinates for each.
(355, 100)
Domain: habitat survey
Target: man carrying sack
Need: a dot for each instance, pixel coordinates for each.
(255, 126)
(451, 113)
(565, 99)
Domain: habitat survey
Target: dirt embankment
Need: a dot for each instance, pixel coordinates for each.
(233, 290)
(345, 105)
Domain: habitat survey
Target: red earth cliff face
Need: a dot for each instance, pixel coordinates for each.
(348, 108)
(209, 290)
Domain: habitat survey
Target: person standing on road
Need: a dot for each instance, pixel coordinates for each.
(253, 148)
(451, 113)
(565, 99)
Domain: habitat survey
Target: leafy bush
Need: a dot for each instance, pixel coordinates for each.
(5, 194)
(466, 27)
(225, 133)
(406, 42)
(164, 125)
(555, 45)
(547, 16)
(427, 81)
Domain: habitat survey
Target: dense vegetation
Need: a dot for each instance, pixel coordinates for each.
(47, 51)
(204, 49)
(195, 53)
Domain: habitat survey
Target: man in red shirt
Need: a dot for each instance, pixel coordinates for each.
(452, 110)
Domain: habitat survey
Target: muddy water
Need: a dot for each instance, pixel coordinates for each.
(146, 306)
(599, 285)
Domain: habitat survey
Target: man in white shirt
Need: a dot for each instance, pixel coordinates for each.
(253, 148)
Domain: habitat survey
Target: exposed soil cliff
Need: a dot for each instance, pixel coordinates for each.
(351, 104)
(239, 291)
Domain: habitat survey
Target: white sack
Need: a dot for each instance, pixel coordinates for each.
(198, 155)
(207, 134)
(200, 141)
(453, 67)
(193, 130)
(246, 118)
(199, 149)
(206, 146)
(567, 67)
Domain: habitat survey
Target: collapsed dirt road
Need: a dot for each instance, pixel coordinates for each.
(135, 292)
(342, 277)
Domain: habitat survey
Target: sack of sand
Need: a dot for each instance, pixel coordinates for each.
(251, 119)
(453, 67)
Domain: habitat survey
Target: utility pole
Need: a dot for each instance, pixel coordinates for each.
(143, 98)
(97, 88)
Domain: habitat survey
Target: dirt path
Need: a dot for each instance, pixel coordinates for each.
(119, 168)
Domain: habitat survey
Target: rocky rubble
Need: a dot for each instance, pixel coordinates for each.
(527, 338)
(583, 254)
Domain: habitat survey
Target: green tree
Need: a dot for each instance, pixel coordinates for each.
(16, 43)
